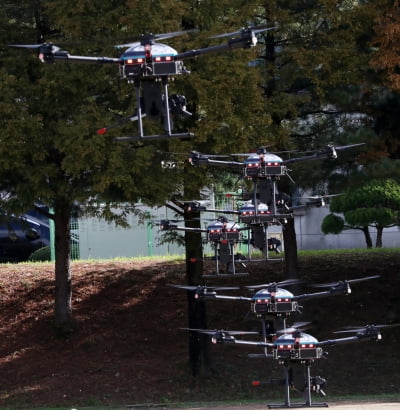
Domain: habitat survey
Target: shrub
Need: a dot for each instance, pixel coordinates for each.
(41, 255)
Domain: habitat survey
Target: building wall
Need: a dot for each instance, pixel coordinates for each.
(310, 236)
(102, 240)
(99, 239)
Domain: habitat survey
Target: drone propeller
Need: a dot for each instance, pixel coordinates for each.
(48, 47)
(343, 147)
(204, 287)
(287, 282)
(221, 332)
(199, 154)
(332, 284)
(255, 30)
(174, 34)
(366, 329)
(320, 196)
(160, 221)
(149, 38)
(296, 327)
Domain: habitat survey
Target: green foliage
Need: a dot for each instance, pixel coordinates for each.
(374, 203)
(41, 255)
(333, 224)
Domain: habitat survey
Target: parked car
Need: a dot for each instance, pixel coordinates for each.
(21, 236)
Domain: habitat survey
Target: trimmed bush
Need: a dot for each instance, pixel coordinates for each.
(41, 255)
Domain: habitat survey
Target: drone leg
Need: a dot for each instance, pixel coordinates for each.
(166, 108)
(288, 383)
(216, 260)
(274, 193)
(308, 389)
(308, 385)
(267, 332)
(139, 108)
(232, 259)
(287, 390)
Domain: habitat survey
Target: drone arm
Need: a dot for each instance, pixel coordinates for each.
(205, 160)
(224, 163)
(252, 343)
(221, 337)
(64, 56)
(319, 155)
(247, 40)
(183, 228)
(327, 152)
(224, 211)
(225, 297)
(312, 295)
(357, 338)
(341, 288)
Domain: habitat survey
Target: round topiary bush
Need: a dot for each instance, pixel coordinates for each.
(41, 255)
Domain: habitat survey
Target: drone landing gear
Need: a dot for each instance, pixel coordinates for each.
(225, 254)
(154, 102)
(288, 382)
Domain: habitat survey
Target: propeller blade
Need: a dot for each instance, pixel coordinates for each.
(287, 282)
(295, 327)
(255, 30)
(188, 287)
(349, 146)
(151, 37)
(48, 46)
(184, 286)
(331, 284)
(226, 332)
(174, 34)
(320, 196)
(128, 45)
(351, 329)
(31, 46)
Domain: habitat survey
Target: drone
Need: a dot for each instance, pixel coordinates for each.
(296, 346)
(272, 299)
(223, 234)
(264, 169)
(150, 66)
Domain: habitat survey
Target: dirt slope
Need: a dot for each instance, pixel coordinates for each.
(128, 348)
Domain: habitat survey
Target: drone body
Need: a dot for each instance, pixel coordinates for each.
(297, 347)
(223, 234)
(151, 60)
(276, 302)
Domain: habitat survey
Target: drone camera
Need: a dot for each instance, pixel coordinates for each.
(317, 383)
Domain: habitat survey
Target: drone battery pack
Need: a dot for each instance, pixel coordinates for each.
(307, 353)
(271, 170)
(167, 68)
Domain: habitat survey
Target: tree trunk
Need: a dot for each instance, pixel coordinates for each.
(63, 288)
(367, 235)
(197, 315)
(379, 233)
(290, 243)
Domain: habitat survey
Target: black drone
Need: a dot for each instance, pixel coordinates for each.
(150, 65)
(223, 235)
(272, 299)
(264, 168)
(295, 346)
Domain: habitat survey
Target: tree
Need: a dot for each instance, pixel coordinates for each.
(374, 204)
(387, 28)
(49, 151)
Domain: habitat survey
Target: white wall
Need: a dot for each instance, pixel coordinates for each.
(101, 240)
(310, 236)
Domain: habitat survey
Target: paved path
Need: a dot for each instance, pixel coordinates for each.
(338, 406)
